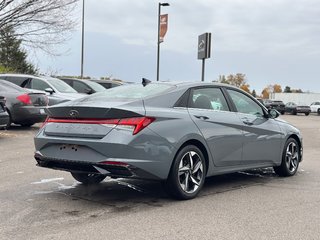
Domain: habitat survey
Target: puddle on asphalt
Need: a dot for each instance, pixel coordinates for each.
(48, 180)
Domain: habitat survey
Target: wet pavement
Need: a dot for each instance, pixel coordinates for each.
(38, 203)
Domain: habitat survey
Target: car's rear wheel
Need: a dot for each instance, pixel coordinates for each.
(88, 178)
(294, 112)
(187, 174)
(290, 159)
(282, 112)
(318, 111)
(306, 114)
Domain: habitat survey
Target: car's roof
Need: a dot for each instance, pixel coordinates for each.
(193, 84)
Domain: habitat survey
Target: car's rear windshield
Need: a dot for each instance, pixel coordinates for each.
(10, 87)
(132, 91)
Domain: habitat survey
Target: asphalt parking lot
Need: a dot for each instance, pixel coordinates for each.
(37, 203)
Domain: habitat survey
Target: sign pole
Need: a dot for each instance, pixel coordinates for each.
(203, 69)
(204, 50)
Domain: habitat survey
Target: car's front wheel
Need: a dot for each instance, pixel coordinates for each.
(87, 178)
(290, 159)
(318, 111)
(187, 174)
(307, 114)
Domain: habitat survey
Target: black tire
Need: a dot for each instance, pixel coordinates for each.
(289, 165)
(318, 111)
(10, 121)
(87, 178)
(282, 112)
(307, 114)
(192, 173)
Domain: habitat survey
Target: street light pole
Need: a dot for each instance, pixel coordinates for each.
(82, 40)
(158, 53)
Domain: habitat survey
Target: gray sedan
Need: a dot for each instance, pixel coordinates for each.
(177, 133)
(24, 106)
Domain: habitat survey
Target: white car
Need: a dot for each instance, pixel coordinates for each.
(315, 107)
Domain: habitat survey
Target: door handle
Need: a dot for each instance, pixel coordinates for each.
(248, 123)
(201, 117)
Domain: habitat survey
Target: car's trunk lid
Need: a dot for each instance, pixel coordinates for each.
(90, 119)
(38, 99)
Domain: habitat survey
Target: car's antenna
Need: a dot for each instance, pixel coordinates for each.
(145, 81)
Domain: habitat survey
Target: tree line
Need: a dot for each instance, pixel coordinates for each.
(240, 80)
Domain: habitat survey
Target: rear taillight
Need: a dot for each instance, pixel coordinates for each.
(25, 98)
(137, 124)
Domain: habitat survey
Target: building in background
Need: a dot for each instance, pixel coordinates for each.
(298, 98)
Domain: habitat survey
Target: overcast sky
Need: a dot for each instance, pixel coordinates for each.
(274, 41)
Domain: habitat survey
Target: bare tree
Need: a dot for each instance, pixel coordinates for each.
(39, 23)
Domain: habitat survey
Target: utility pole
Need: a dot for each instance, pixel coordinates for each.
(82, 40)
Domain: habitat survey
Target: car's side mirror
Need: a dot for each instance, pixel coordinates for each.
(273, 113)
(88, 91)
(49, 90)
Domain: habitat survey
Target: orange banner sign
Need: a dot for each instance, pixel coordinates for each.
(163, 26)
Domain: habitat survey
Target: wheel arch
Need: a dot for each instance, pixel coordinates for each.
(199, 145)
(295, 137)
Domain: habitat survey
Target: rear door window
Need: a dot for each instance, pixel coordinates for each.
(39, 84)
(20, 81)
(208, 98)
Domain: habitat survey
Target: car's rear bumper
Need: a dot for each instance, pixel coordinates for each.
(28, 114)
(147, 155)
(112, 169)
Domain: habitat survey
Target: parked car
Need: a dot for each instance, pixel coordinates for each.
(315, 107)
(293, 108)
(274, 104)
(25, 107)
(161, 131)
(84, 86)
(57, 90)
(4, 116)
(107, 83)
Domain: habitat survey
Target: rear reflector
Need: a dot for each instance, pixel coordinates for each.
(25, 98)
(137, 123)
(122, 164)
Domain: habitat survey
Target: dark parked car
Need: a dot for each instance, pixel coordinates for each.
(107, 83)
(24, 106)
(4, 116)
(293, 108)
(177, 133)
(275, 104)
(84, 86)
(57, 90)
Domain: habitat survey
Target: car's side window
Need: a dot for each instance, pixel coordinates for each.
(39, 84)
(245, 104)
(80, 87)
(20, 81)
(208, 98)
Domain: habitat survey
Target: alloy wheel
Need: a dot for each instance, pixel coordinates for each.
(292, 156)
(190, 172)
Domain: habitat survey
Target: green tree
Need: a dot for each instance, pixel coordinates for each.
(254, 94)
(287, 89)
(12, 56)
